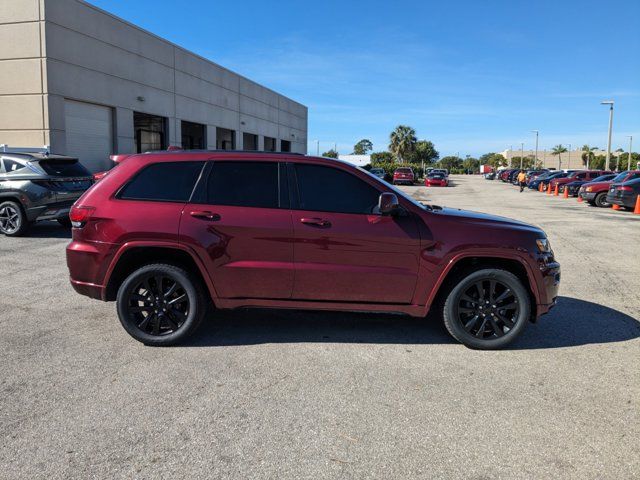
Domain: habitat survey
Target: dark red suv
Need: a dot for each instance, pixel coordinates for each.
(168, 235)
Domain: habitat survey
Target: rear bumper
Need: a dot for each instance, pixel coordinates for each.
(624, 201)
(87, 289)
(87, 263)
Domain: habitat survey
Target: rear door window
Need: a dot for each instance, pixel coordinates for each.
(163, 182)
(328, 189)
(11, 165)
(247, 184)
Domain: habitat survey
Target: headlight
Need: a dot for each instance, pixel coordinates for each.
(589, 189)
(543, 245)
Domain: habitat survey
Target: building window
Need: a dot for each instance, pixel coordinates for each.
(285, 146)
(249, 141)
(194, 135)
(150, 132)
(225, 139)
(269, 144)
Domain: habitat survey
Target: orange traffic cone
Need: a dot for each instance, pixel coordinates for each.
(541, 187)
(548, 189)
(615, 207)
(637, 209)
(580, 199)
(566, 193)
(555, 191)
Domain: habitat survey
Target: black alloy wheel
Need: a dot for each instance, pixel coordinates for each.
(160, 304)
(13, 221)
(487, 309)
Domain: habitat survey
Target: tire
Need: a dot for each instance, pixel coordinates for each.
(65, 222)
(601, 200)
(164, 321)
(591, 202)
(13, 220)
(487, 326)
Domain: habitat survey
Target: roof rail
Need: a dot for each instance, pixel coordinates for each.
(173, 149)
(4, 148)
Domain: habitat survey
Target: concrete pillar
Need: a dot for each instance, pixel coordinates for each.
(124, 133)
(239, 140)
(211, 137)
(261, 143)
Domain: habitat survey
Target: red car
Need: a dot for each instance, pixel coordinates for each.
(404, 176)
(436, 180)
(167, 235)
(595, 193)
(116, 159)
(576, 176)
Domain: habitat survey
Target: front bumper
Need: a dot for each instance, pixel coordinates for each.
(550, 287)
(588, 196)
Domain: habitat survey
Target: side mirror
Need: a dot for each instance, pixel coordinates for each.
(388, 204)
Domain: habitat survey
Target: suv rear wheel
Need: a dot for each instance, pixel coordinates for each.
(160, 305)
(13, 221)
(487, 309)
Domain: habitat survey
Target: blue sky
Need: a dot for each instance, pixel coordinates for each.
(472, 76)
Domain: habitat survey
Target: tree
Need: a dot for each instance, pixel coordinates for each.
(471, 165)
(587, 155)
(424, 151)
(363, 147)
(559, 150)
(494, 159)
(330, 154)
(623, 161)
(380, 157)
(451, 162)
(402, 142)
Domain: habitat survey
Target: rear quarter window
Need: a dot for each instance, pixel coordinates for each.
(163, 182)
(64, 168)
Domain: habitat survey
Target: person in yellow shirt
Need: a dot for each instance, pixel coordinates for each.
(522, 180)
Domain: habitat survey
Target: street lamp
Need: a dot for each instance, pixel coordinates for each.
(610, 103)
(521, 154)
(569, 164)
(536, 155)
(629, 158)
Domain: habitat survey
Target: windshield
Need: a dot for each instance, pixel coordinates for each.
(620, 177)
(386, 187)
(603, 178)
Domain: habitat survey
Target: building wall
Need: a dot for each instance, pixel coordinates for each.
(23, 107)
(52, 50)
(569, 160)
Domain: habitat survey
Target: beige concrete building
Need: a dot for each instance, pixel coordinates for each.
(90, 84)
(568, 160)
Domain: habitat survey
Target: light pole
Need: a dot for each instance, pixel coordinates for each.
(629, 158)
(510, 156)
(521, 154)
(569, 164)
(610, 103)
(317, 148)
(536, 155)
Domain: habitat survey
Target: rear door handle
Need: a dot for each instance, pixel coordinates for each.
(318, 222)
(206, 215)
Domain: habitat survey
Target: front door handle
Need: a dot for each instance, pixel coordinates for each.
(206, 215)
(318, 222)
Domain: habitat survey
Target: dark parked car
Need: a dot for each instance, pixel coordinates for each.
(546, 179)
(490, 176)
(403, 176)
(624, 194)
(378, 172)
(595, 193)
(586, 175)
(167, 234)
(38, 186)
(574, 187)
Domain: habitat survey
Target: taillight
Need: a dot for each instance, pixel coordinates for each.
(625, 189)
(99, 175)
(80, 215)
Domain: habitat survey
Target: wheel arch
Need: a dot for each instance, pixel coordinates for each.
(130, 258)
(463, 265)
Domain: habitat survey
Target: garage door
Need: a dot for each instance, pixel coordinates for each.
(89, 134)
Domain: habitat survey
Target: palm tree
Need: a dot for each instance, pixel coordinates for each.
(587, 155)
(559, 150)
(402, 141)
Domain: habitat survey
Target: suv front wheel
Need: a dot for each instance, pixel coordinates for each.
(487, 309)
(160, 305)
(13, 221)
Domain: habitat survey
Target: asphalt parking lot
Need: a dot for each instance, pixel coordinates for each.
(271, 394)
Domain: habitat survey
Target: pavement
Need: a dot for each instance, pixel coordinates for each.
(310, 395)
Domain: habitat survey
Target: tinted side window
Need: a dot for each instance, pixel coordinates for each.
(168, 182)
(327, 189)
(244, 184)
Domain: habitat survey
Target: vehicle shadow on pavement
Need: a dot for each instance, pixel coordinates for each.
(572, 322)
(48, 230)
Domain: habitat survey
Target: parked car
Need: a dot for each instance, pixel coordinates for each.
(378, 172)
(595, 193)
(504, 175)
(403, 176)
(442, 171)
(167, 234)
(545, 179)
(533, 174)
(490, 176)
(586, 175)
(574, 187)
(513, 176)
(38, 186)
(436, 180)
(624, 194)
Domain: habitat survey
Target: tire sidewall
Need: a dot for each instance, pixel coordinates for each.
(601, 200)
(457, 330)
(196, 305)
(24, 224)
